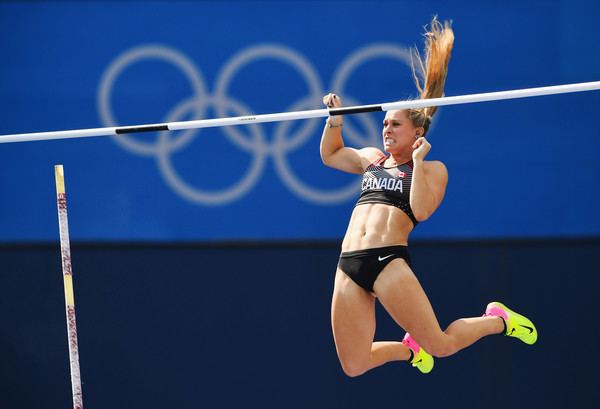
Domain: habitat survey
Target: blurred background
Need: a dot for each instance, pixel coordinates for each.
(204, 260)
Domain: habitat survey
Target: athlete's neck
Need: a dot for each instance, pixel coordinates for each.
(398, 159)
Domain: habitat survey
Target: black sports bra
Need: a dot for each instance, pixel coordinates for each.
(389, 186)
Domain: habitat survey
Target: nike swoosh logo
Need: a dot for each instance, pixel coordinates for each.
(383, 258)
(526, 327)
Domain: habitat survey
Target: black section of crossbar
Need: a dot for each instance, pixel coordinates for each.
(357, 110)
(141, 128)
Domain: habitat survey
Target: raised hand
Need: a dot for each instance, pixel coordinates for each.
(332, 100)
(421, 149)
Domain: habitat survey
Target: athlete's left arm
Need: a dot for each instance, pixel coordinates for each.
(429, 181)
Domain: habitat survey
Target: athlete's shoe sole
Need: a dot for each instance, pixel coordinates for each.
(517, 325)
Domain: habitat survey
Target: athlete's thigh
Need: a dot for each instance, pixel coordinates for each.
(402, 296)
(352, 318)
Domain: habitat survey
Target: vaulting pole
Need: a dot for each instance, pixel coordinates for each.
(65, 251)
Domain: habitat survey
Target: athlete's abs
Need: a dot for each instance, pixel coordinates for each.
(376, 225)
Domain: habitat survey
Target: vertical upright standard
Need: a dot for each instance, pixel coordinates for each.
(65, 250)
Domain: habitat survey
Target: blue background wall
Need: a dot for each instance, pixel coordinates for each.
(172, 326)
(522, 168)
(165, 322)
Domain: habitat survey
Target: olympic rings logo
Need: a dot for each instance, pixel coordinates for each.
(282, 142)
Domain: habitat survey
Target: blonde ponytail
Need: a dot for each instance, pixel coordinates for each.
(430, 73)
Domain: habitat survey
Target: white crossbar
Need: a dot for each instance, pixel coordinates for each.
(317, 113)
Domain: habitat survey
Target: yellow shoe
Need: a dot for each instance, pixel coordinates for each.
(517, 325)
(421, 359)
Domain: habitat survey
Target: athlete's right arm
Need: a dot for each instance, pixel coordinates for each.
(333, 152)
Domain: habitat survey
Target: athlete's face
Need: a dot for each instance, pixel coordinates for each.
(399, 133)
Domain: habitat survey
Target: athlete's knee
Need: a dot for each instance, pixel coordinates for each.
(353, 367)
(442, 347)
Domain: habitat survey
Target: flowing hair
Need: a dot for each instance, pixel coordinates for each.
(430, 73)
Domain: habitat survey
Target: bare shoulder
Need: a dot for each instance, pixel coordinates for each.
(436, 167)
(436, 171)
(369, 155)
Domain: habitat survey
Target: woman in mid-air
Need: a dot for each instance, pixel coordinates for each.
(399, 189)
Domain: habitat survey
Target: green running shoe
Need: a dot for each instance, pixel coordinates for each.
(517, 325)
(421, 359)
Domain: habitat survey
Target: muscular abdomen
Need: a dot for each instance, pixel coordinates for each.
(376, 225)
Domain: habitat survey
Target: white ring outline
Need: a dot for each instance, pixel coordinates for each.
(359, 57)
(137, 54)
(320, 196)
(223, 196)
(276, 52)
